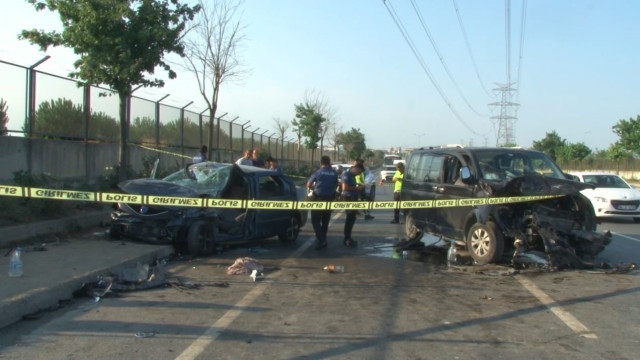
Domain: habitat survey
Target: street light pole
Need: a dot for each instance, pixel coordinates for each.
(419, 136)
(242, 135)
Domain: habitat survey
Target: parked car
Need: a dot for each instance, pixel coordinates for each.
(563, 227)
(612, 195)
(387, 172)
(201, 230)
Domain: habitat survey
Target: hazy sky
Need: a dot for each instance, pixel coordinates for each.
(579, 71)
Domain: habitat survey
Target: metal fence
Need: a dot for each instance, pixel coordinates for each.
(91, 114)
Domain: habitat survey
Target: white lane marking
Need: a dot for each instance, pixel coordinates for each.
(212, 333)
(566, 317)
(626, 237)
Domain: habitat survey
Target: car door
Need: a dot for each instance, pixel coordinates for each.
(420, 182)
(272, 188)
(453, 218)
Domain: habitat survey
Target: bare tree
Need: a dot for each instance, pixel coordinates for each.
(316, 100)
(211, 50)
(333, 139)
(281, 129)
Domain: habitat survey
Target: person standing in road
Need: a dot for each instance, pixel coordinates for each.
(246, 159)
(201, 156)
(257, 160)
(350, 192)
(360, 179)
(323, 182)
(398, 177)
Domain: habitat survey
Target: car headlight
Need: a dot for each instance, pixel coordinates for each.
(600, 199)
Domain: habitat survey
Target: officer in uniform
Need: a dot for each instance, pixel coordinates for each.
(323, 182)
(363, 194)
(350, 192)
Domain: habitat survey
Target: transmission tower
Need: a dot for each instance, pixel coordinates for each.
(506, 121)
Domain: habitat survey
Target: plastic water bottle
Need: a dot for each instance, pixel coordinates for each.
(452, 254)
(15, 263)
(334, 268)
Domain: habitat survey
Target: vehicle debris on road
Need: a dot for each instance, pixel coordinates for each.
(245, 265)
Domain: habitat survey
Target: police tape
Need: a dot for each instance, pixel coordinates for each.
(162, 151)
(105, 197)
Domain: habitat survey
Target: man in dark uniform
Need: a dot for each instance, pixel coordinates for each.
(351, 192)
(323, 182)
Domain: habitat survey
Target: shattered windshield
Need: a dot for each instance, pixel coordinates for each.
(209, 178)
(502, 165)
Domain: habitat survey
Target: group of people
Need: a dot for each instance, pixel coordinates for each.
(252, 157)
(323, 183)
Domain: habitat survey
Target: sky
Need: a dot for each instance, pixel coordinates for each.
(576, 67)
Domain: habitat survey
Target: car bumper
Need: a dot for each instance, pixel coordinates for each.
(610, 211)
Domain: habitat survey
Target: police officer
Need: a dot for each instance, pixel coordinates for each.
(350, 192)
(363, 194)
(323, 182)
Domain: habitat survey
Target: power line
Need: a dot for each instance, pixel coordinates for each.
(424, 66)
(444, 65)
(466, 41)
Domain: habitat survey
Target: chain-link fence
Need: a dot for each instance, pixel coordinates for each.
(47, 106)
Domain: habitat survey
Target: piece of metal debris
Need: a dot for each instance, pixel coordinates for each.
(146, 334)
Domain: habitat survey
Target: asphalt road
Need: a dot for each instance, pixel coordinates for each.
(381, 307)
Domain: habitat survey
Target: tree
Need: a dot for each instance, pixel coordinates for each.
(310, 123)
(332, 138)
(212, 54)
(629, 133)
(577, 151)
(550, 144)
(281, 129)
(4, 117)
(60, 118)
(354, 143)
(119, 43)
(617, 152)
(297, 130)
(320, 104)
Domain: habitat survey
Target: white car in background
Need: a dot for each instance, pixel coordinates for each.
(387, 172)
(612, 197)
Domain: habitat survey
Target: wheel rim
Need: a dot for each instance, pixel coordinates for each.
(410, 229)
(203, 239)
(292, 230)
(481, 242)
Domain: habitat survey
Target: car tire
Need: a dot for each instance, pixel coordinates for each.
(201, 238)
(290, 233)
(485, 243)
(411, 230)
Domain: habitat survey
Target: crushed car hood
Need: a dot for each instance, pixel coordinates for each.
(533, 185)
(562, 228)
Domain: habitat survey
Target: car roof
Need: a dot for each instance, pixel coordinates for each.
(582, 173)
(247, 169)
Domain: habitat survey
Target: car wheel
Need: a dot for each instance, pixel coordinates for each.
(200, 238)
(485, 243)
(290, 232)
(411, 230)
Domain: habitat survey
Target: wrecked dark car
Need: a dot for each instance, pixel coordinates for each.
(203, 230)
(559, 231)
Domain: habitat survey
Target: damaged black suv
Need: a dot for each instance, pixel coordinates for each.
(562, 228)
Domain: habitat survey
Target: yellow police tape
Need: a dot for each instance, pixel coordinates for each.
(40, 193)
